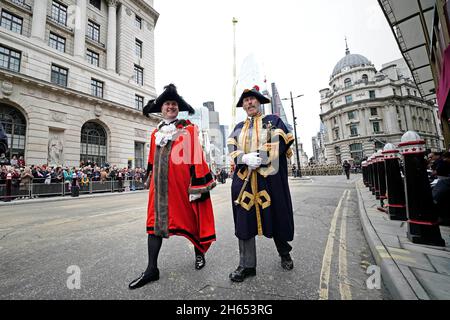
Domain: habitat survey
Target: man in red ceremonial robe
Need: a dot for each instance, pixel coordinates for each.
(180, 180)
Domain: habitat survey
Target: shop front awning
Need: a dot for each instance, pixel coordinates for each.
(412, 24)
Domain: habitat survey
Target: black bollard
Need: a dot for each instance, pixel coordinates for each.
(395, 190)
(376, 179)
(369, 173)
(365, 173)
(381, 181)
(423, 226)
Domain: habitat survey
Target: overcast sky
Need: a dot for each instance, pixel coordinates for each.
(294, 43)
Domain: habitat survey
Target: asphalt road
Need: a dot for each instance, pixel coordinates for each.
(105, 239)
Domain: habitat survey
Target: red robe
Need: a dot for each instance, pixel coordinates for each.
(178, 170)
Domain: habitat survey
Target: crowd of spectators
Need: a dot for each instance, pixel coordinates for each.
(22, 176)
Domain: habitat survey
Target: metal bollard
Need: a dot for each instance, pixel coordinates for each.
(376, 180)
(395, 190)
(423, 226)
(381, 179)
(364, 173)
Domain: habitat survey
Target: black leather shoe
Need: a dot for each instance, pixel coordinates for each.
(241, 273)
(286, 262)
(143, 280)
(199, 261)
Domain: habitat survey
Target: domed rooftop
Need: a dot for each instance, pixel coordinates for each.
(351, 61)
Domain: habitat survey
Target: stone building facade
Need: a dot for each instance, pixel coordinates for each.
(364, 108)
(74, 77)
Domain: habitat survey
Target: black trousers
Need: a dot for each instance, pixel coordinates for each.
(247, 251)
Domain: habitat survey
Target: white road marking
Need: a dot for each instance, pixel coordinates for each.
(326, 262)
(344, 287)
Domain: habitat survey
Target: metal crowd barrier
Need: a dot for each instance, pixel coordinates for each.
(34, 190)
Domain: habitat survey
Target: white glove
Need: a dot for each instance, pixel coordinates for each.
(252, 160)
(193, 197)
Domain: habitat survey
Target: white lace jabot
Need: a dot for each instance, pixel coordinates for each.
(165, 134)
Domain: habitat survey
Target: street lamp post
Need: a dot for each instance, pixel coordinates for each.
(299, 171)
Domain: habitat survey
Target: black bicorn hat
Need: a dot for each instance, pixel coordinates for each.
(170, 94)
(252, 92)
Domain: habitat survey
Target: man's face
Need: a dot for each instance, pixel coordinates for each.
(169, 110)
(251, 106)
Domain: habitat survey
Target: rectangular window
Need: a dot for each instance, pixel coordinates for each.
(59, 13)
(138, 48)
(93, 31)
(372, 94)
(57, 42)
(11, 22)
(400, 125)
(353, 130)
(394, 91)
(138, 22)
(376, 127)
(351, 115)
(96, 3)
(97, 88)
(335, 120)
(139, 150)
(139, 102)
(373, 111)
(139, 75)
(336, 134)
(59, 75)
(348, 99)
(10, 59)
(93, 58)
(408, 91)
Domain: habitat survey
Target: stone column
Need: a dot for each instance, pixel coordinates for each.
(39, 19)
(80, 29)
(112, 35)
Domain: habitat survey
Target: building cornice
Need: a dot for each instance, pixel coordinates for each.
(370, 102)
(50, 87)
(361, 139)
(148, 9)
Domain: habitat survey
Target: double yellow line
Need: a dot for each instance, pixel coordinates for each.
(344, 287)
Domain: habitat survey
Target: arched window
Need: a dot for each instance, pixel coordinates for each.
(365, 78)
(348, 82)
(93, 143)
(15, 127)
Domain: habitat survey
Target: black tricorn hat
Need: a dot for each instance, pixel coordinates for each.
(170, 94)
(254, 92)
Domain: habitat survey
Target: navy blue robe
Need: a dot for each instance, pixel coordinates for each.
(266, 206)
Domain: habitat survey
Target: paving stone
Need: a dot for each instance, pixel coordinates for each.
(437, 285)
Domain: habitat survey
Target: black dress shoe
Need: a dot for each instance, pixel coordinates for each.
(199, 261)
(144, 279)
(241, 273)
(286, 262)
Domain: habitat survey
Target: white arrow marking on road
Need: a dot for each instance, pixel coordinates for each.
(326, 262)
(344, 287)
